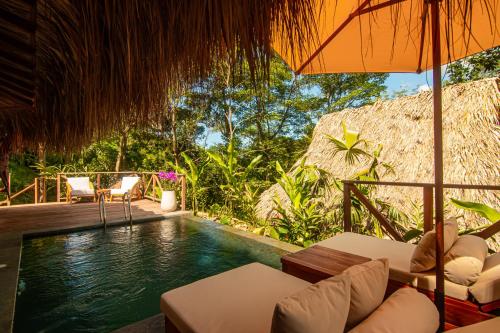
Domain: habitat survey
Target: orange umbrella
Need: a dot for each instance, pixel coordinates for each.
(401, 36)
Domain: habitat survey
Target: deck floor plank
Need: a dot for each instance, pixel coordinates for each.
(33, 218)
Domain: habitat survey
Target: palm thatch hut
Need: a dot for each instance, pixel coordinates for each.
(74, 70)
(404, 127)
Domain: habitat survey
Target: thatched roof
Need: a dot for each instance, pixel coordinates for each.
(71, 69)
(471, 142)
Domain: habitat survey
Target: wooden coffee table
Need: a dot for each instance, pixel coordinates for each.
(317, 263)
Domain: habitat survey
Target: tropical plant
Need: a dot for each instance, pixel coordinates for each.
(489, 213)
(350, 144)
(238, 190)
(354, 149)
(485, 211)
(306, 219)
(192, 174)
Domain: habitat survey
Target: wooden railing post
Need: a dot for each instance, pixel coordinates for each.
(347, 207)
(384, 222)
(143, 190)
(44, 189)
(8, 189)
(36, 190)
(154, 191)
(183, 193)
(58, 187)
(98, 181)
(428, 208)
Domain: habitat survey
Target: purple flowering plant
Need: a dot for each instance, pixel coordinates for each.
(168, 180)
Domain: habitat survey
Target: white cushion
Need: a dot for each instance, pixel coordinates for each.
(128, 183)
(241, 300)
(117, 191)
(320, 308)
(79, 183)
(427, 281)
(406, 310)
(424, 256)
(487, 287)
(82, 192)
(464, 261)
(368, 285)
(399, 255)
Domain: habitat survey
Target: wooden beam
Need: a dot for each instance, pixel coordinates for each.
(490, 231)
(36, 190)
(428, 201)
(384, 222)
(438, 158)
(27, 188)
(347, 207)
(58, 187)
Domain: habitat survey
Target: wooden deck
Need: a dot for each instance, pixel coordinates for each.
(56, 216)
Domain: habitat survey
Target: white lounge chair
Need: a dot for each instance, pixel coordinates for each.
(128, 185)
(481, 296)
(243, 300)
(79, 187)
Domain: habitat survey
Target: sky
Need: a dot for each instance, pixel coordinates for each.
(409, 81)
(395, 82)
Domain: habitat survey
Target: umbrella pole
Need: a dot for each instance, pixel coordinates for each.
(438, 160)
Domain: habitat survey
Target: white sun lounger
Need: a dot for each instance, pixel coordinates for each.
(79, 187)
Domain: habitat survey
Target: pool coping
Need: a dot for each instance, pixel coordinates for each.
(11, 245)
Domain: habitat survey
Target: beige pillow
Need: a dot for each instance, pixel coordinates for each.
(487, 287)
(424, 256)
(320, 308)
(368, 285)
(464, 261)
(406, 310)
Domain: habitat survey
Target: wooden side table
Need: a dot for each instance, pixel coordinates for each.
(318, 263)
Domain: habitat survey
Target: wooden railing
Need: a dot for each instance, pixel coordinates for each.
(428, 202)
(39, 188)
(149, 183)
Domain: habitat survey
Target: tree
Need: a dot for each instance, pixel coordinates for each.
(481, 65)
(340, 91)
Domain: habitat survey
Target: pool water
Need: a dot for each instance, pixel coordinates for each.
(96, 281)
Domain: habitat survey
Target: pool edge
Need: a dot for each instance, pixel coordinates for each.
(10, 254)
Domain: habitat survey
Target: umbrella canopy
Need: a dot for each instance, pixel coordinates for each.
(401, 36)
(393, 35)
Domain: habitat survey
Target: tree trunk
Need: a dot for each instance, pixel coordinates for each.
(122, 148)
(42, 155)
(175, 150)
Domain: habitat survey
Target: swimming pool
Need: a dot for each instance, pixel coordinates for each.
(96, 281)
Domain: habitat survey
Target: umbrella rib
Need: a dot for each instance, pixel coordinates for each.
(379, 6)
(358, 12)
(422, 36)
(333, 35)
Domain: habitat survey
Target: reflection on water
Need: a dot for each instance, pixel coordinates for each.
(96, 281)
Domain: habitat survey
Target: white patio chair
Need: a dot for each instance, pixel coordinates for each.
(79, 187)
(128, 185)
